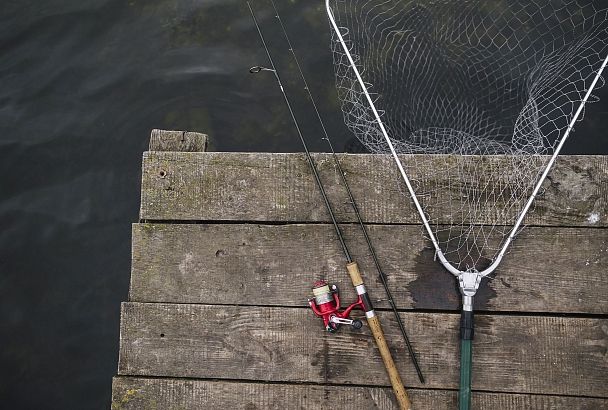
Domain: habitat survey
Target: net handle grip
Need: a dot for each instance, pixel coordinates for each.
(466, 359)
(376, 328)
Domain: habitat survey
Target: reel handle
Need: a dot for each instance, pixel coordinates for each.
(378, 333)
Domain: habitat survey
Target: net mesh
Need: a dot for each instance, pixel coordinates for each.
(494, 83)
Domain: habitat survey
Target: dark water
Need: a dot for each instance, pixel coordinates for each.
(82, 83)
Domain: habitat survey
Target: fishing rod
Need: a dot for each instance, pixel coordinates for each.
(381, 274)
(323, 295)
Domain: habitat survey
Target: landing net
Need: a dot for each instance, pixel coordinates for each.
(496, 85)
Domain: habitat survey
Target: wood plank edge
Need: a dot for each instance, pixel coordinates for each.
(130, 392)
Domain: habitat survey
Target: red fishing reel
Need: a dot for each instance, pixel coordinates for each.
(326, 304)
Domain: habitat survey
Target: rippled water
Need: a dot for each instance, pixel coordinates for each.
(82, 83)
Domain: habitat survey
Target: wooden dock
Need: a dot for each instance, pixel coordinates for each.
(228, 247)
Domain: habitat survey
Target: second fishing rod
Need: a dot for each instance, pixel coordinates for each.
(326, 302)
(352, 201)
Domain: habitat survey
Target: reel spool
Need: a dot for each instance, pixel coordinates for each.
(326, 305)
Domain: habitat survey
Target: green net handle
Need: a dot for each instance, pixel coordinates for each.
(466, 357)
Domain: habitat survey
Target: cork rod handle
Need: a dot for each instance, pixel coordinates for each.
(378, 333)
(387, 358)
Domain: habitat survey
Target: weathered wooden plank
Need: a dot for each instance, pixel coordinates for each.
(179, 394)
(534, 355)
(182, 141)
(280, 187)
(548, 270)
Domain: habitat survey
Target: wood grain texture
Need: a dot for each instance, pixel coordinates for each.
(548, 269)
(531, 355)
(134, 393)
(280, 187)
(181, 141)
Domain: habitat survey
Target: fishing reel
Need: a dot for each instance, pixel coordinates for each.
(326, 305)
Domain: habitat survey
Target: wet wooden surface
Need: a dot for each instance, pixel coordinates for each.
(230, 243)
(248, 263)
(521, 354)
